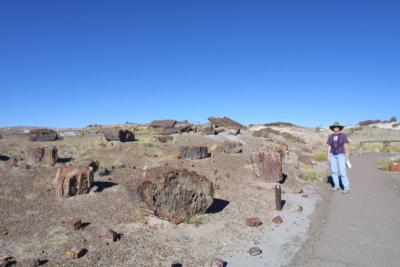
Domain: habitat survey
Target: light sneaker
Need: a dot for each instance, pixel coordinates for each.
(346, 191)
(335, 188)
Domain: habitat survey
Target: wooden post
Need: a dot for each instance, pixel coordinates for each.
(278, 197)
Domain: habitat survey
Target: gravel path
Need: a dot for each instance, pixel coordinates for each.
(360, 228)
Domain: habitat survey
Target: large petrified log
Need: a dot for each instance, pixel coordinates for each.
(42, 135)
(267, 165)
(74, 180)
(225, 122)
(177, 195)
(46, 155)
(193, 152)
(122, 135)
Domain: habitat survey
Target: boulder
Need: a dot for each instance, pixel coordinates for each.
(277, 219)
(46, 155)
(163, 123)
(267, 165)
(232, 147)
(72, 180)
(193, 152)
(177, 195)
(394, 166)
(225, 122)
(42, 135)
(205, 129)
(122, 135)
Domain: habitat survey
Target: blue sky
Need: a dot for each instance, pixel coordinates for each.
(73, 63)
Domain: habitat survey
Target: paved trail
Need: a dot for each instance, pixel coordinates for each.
(361, 228)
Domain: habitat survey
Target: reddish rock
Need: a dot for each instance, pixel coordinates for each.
(43, 135)
(193, 152)
(45, 155)
(217, 263)
(73, 180)
(232, 147)
(254, 222)
(277, 220)
(394, 166)
(283, 149)
(75, 252)
(110, 235)
(178, 195)
(163, 123)
(183, 126)
(225, 122)
(122, 135)
(304, 159)
(267, 165)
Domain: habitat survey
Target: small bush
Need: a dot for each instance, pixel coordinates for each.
(384, 164)
(311, 176)
(320, 156)
(196, 220)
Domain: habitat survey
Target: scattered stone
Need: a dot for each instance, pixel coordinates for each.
(277, 219)
(193, 152)
(43, 135)
(225, 122)
(297, 189)
(254, 251)
(110, 236)
(177, 195)
(304, 159)
(74, 224)
(205, 129)
(217, 263)
(254, 222)
(218, 130)
(74, 180)
(183, 126)
(163, 123)
(232, 147)
(394, 166)
(267, 165)
(46, 155)
(234, 131)
(122, 135)
(75, 252)
(165, 138)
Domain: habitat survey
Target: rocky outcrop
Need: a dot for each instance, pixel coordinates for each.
(163, 123)
(74, 180)
(42, 135)
(122, 135)
(225, 122)
(193, 152)
(177, 195)
(46, 155)
(369, 122)
(267, 165)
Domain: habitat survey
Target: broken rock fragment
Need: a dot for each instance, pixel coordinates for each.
(267, 165)
(193, 152)
(177, 195)
(46, 155)
(122, 135)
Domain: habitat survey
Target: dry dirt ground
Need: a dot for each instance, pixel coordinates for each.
(31, 220)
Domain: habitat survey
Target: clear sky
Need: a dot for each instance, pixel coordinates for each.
(72, 63)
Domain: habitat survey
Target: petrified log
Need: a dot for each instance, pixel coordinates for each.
(114, 134)
(267, 165)
(42, 135)
(46, 155)
(193, 152)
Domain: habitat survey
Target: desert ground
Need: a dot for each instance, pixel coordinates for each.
(35, 220)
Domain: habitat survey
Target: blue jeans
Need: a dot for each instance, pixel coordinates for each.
(338, 166)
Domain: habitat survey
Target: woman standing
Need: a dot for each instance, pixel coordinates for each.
(337, 155)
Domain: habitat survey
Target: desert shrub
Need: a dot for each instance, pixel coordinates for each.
(311, 175)
(320, 156)
(196, 220)
(384, 164)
